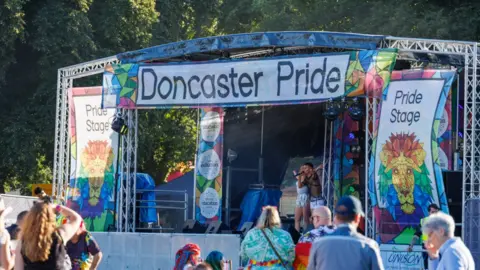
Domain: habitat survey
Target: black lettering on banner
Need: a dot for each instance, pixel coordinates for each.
(307, 78)
(159, 88)
(177, 79)
(151, 71)
(398, 115)
(193, 78)
(243, 84)
(298, 73)
(321, 71)
(256, 76)
(232, 76)
(335, 79)
(211, 78)
(283, 77)
(223, 86)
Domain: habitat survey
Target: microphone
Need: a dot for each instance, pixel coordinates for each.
(298, 174)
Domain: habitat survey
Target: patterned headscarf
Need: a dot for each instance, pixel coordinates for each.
(186, 254)
(215, 260)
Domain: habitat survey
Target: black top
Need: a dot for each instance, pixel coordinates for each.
(57, 260)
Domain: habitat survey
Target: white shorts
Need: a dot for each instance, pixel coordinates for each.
(316, 202)
(302, 200)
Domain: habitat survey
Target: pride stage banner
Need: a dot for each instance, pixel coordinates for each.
(405, 172)
(276, 80)
(209, 165)
(94, 151)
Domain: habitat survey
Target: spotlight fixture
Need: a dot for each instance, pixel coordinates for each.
(355, 111)
(231, 155)
(332, 111)
(118, 124)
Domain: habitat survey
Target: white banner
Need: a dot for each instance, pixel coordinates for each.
(94, 151)
(93, 126)
(408, 111)
(278, 80)
(396, 257)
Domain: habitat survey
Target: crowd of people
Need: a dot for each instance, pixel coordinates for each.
(39, 241)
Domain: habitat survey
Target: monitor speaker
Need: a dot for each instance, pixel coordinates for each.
(193, 226)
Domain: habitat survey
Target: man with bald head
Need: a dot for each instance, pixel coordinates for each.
(322, 221)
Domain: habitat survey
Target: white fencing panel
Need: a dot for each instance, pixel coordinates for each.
(157, 251)
(18, 204)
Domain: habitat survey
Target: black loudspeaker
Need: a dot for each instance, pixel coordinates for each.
(193, 226)
(453, 182)
(213, 227)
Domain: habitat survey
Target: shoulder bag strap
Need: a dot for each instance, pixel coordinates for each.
(273, 247)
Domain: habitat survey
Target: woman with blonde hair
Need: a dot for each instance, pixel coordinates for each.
(42, 244)
(267, 246)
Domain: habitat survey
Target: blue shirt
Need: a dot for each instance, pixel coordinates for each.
(345, 249)
(453, 255)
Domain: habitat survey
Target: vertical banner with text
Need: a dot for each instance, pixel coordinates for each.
(94, 152)
(209, 165)
(405, 172)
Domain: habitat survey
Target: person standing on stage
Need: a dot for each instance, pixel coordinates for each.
(309, 176)
(301, 204)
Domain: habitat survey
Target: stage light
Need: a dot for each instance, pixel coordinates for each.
(356, 111)
(351, 136)
(231, 155)
(118, 124)
(332, 111)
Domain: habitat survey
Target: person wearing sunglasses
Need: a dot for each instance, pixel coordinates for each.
(432, 209)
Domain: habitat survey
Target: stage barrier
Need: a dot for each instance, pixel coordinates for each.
(157, 251)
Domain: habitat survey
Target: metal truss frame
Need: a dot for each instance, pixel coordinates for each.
(128, 159)
(471, 151)
(125, 221)
(327, 173)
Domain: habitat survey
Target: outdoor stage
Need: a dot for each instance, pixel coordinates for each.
(390, 76)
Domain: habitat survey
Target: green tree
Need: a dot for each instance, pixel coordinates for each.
(166, 137)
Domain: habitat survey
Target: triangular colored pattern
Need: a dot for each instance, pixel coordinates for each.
(133, 70)
(122, 78)
(126, 92)
(115, 81)
(384, 60)
(365, 59)
(130, 83)
(133, 97)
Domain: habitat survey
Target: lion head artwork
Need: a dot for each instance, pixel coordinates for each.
(97, 159)
(402, 155)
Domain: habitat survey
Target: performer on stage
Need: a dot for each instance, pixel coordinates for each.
(309, 177)
(302, 203)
